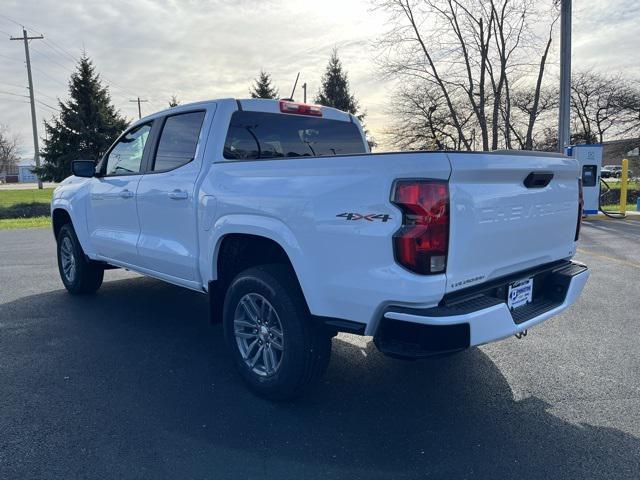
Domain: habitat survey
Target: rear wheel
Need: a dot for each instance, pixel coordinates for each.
(278, 349)
(79, 274)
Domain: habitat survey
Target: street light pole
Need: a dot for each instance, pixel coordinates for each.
(564, 133)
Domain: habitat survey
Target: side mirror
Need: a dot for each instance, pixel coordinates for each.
(83, 168)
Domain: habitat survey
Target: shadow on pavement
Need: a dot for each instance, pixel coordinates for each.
(134, 383)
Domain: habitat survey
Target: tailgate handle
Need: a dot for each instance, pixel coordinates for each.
(538, 179)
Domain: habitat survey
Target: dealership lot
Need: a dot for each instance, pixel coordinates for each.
(134, 383)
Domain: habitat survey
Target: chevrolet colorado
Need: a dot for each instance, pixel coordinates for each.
(279, 212)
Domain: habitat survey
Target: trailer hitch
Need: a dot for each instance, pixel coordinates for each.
(521, 334)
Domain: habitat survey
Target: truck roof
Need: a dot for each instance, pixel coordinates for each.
(252, 105)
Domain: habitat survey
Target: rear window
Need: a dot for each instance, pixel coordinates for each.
(255, 135)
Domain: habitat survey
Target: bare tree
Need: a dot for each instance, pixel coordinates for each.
(422, 121)
(8, 151)
(473, 54)
(532, 107)
(629, 100)
(604, 106)
(594, 104)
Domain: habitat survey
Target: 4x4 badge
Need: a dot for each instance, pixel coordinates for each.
(369, 217)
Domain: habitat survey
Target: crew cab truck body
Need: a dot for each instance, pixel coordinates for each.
(296, 231)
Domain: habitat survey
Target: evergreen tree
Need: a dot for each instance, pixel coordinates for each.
(262, 87)
(334, 91)
(173, 101)
(85, 128)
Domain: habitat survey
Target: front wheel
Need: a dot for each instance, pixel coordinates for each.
(78, 273)
(278, 349)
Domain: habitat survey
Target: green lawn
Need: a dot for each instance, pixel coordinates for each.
(616, 208)
(36, 222)
(24, 207)
(32, 195)
(616, 185)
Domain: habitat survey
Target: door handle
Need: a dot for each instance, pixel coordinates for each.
(126, 194)
(178, 195)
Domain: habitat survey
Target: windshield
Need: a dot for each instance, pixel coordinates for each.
(256, 135)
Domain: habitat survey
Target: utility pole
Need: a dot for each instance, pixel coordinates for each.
(36, 153)
(564, 133)
(304, 87)
(139, 102)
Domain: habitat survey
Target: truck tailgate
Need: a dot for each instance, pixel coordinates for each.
(500, 226)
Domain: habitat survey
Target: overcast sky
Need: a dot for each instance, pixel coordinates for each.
(210, 49)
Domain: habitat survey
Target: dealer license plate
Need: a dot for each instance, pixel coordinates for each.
(520, 293)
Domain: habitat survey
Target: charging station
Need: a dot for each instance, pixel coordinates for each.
(589, 158)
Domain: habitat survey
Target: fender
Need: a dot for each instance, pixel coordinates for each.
(262, 226)
(78, 214)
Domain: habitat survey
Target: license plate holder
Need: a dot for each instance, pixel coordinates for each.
(520, 293)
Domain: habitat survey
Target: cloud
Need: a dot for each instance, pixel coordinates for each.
(209, 49)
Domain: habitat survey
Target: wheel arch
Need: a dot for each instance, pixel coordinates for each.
(59, 217)
(63, 211)
(237, 249)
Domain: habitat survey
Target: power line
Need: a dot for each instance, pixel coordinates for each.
(42, 72)
(59, 52)
(65, 68)
(48, 96)
(13, 21)
(117, 86)
(12, 59)
(50, 77)
(14, 94)
(47, 41)
(12, 84)
(47, 105)
(54, 46)
(14, 100)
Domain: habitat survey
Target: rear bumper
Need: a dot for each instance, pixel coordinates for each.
(479, 315)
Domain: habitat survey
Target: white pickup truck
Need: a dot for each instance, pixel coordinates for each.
(278, 211)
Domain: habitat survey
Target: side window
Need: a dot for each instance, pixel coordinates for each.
(126, 156)
(241, 143)
(178, 141)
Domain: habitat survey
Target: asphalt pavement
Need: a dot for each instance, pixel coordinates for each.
(134, 383)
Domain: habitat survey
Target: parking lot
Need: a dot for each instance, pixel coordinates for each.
(135, 383)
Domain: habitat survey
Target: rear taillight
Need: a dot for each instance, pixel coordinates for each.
(300, 108)
(422, 242)
(580, 207)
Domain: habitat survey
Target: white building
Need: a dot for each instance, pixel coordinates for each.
(25, 174)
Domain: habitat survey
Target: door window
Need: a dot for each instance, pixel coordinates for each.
(178, 141)
(126, 157)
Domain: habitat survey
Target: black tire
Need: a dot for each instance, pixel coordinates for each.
(306, 345)
(86, 276)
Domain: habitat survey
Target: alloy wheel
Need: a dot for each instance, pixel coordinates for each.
(259, 334)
